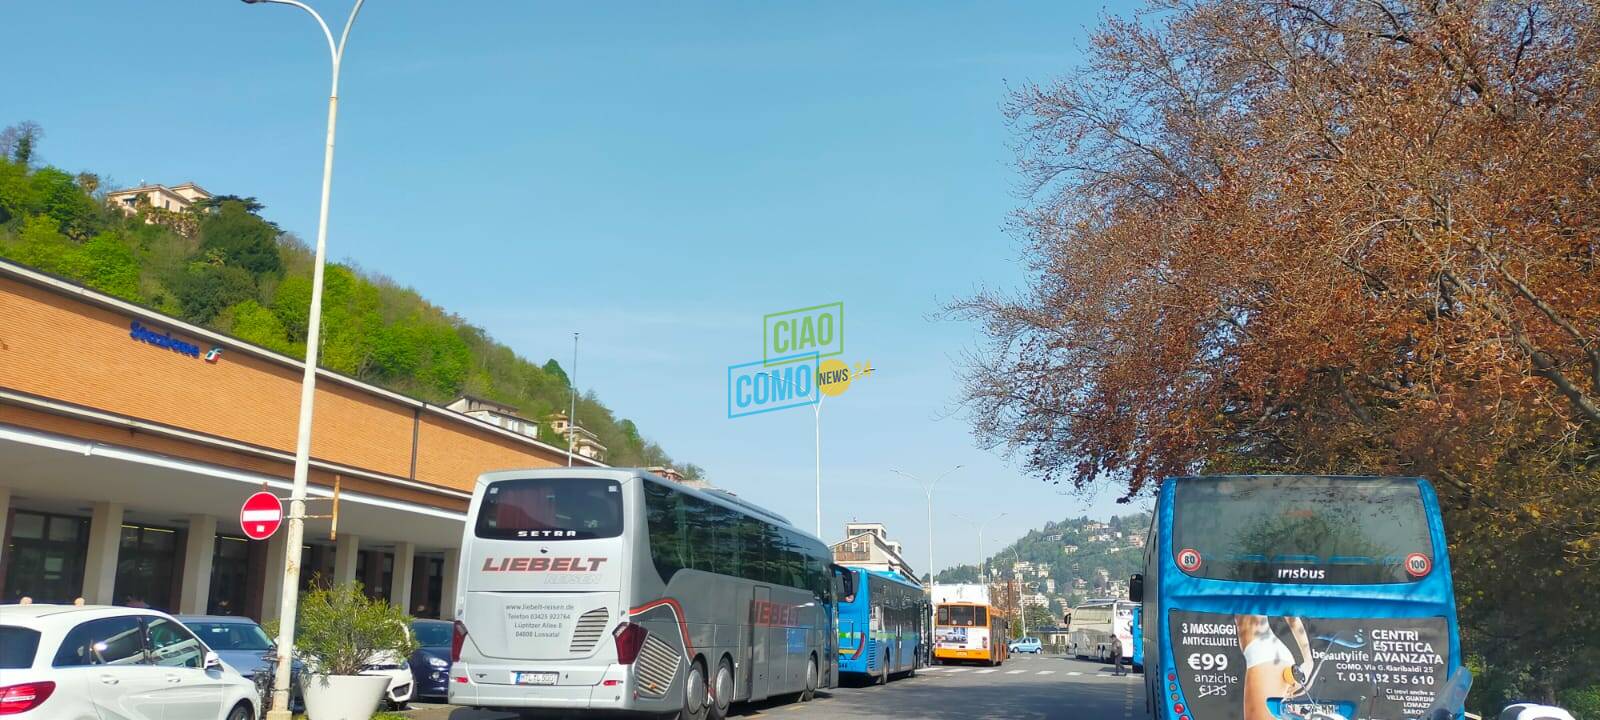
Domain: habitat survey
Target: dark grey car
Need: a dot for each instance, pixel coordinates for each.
(243, 645)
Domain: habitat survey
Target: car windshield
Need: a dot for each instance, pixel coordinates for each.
(231, 635)
(433, 634)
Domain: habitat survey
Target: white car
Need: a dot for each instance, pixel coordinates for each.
(401, 684)
(71, 662)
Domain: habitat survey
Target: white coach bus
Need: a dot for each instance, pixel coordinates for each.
(1095, 624)
(613, 589)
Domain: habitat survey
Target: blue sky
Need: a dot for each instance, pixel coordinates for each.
(656, 176)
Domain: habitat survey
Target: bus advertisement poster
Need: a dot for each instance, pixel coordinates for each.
(1308, 667)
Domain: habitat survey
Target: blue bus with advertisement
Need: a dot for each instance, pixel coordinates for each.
(1298, 598)
(882, 629)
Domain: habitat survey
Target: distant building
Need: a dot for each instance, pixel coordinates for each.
(1053, 537)
(1069, 549)
(583, 441)
(668, 473)
(1137, 540)
(497, 414)
(1050, 585)
(176, 199)
(868, 545)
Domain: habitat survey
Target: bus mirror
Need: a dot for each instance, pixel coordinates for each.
(847, 583)
(1136, 587)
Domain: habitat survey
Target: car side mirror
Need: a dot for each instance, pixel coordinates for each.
(213, 661)
(1136, 587)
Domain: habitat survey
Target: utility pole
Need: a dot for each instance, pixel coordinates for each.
(572, 416)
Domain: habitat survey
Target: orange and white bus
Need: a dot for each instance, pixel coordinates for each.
(966, 627)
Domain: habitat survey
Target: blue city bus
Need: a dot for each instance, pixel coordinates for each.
(1137, 633)
(881, 629)
(1297, 597)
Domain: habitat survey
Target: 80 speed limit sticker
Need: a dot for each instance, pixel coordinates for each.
(1189, 559)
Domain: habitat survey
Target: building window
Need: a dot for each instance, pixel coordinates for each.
(230, 574)
(45, 558)
(146, 566)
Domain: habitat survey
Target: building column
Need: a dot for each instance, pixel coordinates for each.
(447, 584)
(100, 563)
(272, 589)
(5, 539)
(405, 561)
(194, 596)
(345, 552)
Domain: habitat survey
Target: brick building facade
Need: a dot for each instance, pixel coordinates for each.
(128, 440)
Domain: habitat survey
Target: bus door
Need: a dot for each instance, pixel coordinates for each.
(760, 646)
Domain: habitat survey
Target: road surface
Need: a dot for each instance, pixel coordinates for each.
(1026, 687)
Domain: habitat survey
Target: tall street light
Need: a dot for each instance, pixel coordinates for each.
(816, 416)
(308, 384)
(928, 489)
(982, 575)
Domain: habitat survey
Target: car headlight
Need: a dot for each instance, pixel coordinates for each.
(440, 663)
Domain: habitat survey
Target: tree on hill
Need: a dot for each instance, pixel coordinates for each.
(18, 142)
(1329, 237)
(226, 267)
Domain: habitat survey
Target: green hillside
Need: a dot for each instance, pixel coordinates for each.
(1085, 559)
(230, 269)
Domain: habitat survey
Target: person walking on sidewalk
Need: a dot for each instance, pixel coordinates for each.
(1117, 658)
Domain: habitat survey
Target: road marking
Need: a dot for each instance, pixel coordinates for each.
(956, 670)
(1074, 673)
(1015, 672)
(1045, 672)
(984, 672)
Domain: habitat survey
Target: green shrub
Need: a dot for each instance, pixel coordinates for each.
(341, 631)
(1583, 703)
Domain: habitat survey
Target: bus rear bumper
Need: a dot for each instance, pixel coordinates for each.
(599, 696)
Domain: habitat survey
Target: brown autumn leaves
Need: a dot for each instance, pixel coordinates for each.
(1326, 236)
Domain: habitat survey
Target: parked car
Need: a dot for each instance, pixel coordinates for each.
(430, 664)
(245, 647)
(1026, 645)
(398, 669)
(61, 661)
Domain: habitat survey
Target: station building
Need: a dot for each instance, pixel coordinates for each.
(129, 440)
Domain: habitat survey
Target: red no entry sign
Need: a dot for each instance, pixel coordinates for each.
(261, 515)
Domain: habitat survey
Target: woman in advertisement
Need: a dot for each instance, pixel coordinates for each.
(1272, 668)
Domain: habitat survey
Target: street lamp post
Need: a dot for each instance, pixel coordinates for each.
(982, 574)
(928, 489)
(289, 600)
(1022, 608)
(817, 429)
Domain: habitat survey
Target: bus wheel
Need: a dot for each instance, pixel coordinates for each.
(810, 692)
(722, 691)
(883, 671)
(695, 694)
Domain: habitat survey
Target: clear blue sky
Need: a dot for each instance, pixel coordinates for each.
(657, 176)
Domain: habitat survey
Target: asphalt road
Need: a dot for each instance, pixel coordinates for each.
(1024, 688)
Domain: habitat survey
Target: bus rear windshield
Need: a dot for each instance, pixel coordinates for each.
(551, 509)
(963, 615)
(1302, 530)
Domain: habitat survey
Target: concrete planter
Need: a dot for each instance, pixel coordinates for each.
(343, 697)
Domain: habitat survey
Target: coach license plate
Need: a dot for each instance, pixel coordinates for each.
(534, 678)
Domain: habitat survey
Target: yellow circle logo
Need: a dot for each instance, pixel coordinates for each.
(833, 377)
